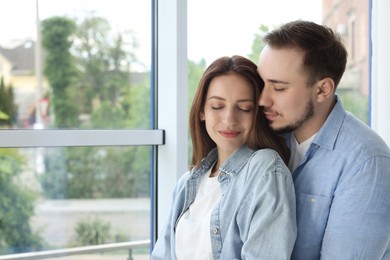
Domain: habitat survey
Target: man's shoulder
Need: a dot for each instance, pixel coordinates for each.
(356, 133)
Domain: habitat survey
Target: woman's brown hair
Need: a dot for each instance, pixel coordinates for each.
(260, 135)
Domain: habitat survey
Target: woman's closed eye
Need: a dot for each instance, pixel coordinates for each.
(245, 109)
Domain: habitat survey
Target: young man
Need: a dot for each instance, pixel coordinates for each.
(340, 167)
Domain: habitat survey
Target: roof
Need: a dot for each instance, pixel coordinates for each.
(22, 56)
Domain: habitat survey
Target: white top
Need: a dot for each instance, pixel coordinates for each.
(193, 229)
(298, 151)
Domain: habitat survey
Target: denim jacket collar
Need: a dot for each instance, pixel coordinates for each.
(231, 166)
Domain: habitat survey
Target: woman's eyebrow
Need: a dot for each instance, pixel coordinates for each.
(223, 99)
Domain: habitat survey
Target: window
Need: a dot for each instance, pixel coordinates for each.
(161, 131)
(238, 30)
(76, 112)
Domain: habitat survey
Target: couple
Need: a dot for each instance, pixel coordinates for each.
(321, 192)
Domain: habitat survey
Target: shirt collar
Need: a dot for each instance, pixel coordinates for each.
(328, 133)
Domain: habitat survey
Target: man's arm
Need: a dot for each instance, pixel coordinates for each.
(359, 221)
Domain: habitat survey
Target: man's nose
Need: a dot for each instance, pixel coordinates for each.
(265, 98)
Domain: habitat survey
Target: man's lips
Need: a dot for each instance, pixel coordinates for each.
(270, 115)
(229, 134)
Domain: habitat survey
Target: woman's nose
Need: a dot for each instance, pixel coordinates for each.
(230, 117)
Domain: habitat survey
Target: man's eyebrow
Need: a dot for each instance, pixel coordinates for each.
(276, 81)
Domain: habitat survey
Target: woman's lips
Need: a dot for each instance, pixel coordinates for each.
(229, 134)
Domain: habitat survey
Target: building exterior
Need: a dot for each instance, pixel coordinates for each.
(17, 68)
(350, 18)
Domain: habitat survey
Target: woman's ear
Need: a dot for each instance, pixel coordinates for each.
(325, 89)
(201, 117)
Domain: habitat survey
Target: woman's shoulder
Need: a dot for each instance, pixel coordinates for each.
(266, 153)
(182, 181)
(269, 160)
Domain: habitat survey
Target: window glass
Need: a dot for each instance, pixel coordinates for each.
(237, 30)
(56, 198)
(351, 20)
(85, 64)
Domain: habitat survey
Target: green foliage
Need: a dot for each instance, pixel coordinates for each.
(91, 172)
(8, 108)
(105, 60)
(195, 72)
(355, 102)
(60, 68)
(136, 104)
(103, 88)
(108, 116)
(16, 207)
(258, 44)
(95, 232)
(3, 116)
(54, 181)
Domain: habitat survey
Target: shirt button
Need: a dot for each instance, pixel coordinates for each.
(215, 230)
(313, 200)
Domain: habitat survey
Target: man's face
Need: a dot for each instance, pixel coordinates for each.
(287, 100)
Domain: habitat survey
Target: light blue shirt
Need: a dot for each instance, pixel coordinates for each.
(255, 218)
(342, 188)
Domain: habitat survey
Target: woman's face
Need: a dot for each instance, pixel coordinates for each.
(228, 112)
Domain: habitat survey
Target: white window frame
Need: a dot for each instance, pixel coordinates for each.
(172, 85)
(380, 91)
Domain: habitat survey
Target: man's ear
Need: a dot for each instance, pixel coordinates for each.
(325, 89)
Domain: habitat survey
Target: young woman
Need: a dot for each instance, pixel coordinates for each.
(238, 200)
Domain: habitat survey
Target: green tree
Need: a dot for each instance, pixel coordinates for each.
(16, 207)
(355, 102)
(8, 108)
(60, 68)
(3, 116)
(54, 181)
(105, 60)
(195, 72)
(113, 97)
(258, 44)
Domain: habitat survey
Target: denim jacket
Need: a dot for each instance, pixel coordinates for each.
(255, 218)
